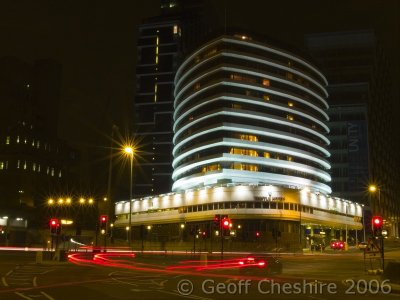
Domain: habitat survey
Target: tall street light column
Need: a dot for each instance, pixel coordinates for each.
(129, 150)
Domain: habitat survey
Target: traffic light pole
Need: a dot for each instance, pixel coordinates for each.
(382, 253)
(222, 239)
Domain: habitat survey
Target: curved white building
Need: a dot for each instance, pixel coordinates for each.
(249, 113)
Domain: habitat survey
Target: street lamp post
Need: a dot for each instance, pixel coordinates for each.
(129, 150)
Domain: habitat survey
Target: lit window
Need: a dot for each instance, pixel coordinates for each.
(25, 141)
(290, 117)
(7, 140)
(290, 104)
(197, 86)
(18, 164)
(1, 165)
(244, 152)
(18, 139)
(289, 76)
(247, 137)
(266, 97)
(37, 144)
(38, 168)
(25, 165)
(34, 167)
(52, 171)
(237, 106)
(265, 82)
(33, 143)
(59, 174)
(48, 170)
(290, 158)
(175, 29)
(155, 92)
(267, 155)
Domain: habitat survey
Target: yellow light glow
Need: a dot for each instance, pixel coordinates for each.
(111, 225)
(51, 201)
(81, 200)
(90, 201)
(127, 228)
(60, 201)
(66, 222)
(68, 200)
(149, 227)
(182, 226)
(372, 188)
(129, 150)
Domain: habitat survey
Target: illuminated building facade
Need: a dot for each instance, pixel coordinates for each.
(250, 143)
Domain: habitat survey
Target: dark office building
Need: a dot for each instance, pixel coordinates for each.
(361, 101)
(34, 163)
(161, 43)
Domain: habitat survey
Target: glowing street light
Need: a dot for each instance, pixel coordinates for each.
(50, 201)
(130, 151)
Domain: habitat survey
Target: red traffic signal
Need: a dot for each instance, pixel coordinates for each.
(55, 227)
(258, 234)
(103, 219)
(377, 224)
(53, 222)
(225, 223)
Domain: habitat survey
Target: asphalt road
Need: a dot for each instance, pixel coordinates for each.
(304, 277)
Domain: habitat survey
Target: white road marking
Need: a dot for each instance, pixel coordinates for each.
(3, 280)
(23, 296)
(47, 296)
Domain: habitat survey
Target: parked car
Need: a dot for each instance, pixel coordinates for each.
(318, 247)
(337, 245)
(363, 246)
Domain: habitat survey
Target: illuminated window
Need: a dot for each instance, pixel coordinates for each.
(289, 63)
(59, 174)
(18, 163)
(48, 170)
(290, 117)
(265, 82)
(33, 143)
(247, 137)
(7, 140)
(37, 144)
(210, 168)
(175, 30)
(25, 165)
(243, 152)
(210, 53)
(289, 76)
(242, 78)
(290, 158)
(52, 171)
(2, 165)
(267, 155)
(38, 168)
(197, 86)
(25, 141)
(34, 167)
(18, 139)
(244, 167)
(290, 104)
(237, 106)
(266, 97)
(155, 92)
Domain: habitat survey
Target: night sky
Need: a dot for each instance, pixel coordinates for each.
(95, 42)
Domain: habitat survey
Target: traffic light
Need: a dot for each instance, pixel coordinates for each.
(225, 223)
(258, 234)
(55, 227)
(377, 224)
(217, 220)
(103, 224)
